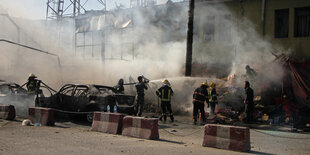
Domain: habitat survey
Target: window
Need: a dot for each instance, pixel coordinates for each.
(225, 28)
(208, 29)
(302, 22)
(281, 23)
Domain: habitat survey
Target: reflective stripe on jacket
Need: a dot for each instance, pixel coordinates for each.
(200, 95)
(33, 85)
(213, 95)
(164, 93)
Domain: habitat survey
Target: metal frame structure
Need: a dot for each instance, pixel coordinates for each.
(56, 9)
(104, 43)
(142, 3)
(59, 9)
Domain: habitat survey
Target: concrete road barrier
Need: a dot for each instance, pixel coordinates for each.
(146, 128)
(107, 122)
(44, 116)
(227, 137)
(7, 112)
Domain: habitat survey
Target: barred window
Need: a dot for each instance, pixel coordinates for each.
(302, 22)
(281, 28)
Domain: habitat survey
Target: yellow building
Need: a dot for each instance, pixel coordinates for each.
(229, 28)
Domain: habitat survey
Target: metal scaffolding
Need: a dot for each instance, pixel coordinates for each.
(57, 9)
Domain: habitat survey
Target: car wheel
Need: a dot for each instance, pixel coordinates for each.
(89, 117)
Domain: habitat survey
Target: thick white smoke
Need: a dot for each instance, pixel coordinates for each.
(159, 50)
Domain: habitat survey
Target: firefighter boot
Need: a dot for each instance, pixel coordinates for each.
(172, 118)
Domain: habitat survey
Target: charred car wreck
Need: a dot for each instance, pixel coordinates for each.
(74, 98)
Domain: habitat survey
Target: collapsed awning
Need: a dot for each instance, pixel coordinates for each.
(300, 80)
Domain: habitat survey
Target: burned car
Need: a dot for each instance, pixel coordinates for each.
(10, 88)
(76, 98)
(13, 94)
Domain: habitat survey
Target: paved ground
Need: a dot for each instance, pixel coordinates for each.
(175, 138)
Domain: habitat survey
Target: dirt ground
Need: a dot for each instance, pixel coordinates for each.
(180, 137)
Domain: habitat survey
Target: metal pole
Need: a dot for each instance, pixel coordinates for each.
(189, 49)
(263, 17)
(74, 8)
(47, 7)
(79, 7)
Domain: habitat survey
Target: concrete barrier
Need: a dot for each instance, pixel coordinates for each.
(107, 122)
(146, 128)
(7, 112)
(44, 116)
(227, 137)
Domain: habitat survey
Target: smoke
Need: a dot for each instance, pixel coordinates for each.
(228, 44)
(153, 44)
(183, 88)
(30, 9)
(21, 103)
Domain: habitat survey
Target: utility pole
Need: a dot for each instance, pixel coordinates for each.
(189, 48)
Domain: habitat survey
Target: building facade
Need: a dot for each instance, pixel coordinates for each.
(284, 24)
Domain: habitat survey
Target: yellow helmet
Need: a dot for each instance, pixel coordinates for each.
(205, 84)
(212, 84)
(165, 81)
(32, 75)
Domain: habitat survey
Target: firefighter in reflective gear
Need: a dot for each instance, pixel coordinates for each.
(33, 84)
(140, 86)
(164, 93)
(213, 97)
(119, 88)
(199, 97)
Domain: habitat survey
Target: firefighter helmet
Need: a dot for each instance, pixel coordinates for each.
(212, 84)
(205, 84)
(165, 81)
(31, 75)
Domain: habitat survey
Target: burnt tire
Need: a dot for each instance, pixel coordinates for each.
(89, 116)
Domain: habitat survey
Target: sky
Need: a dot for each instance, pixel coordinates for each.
(36, 9)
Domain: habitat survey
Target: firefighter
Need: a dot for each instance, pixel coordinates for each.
(33, 84)
(249, 102)
(213, 97)
(199, 97)
(140, 86)
(164, 93)
(119, 88)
